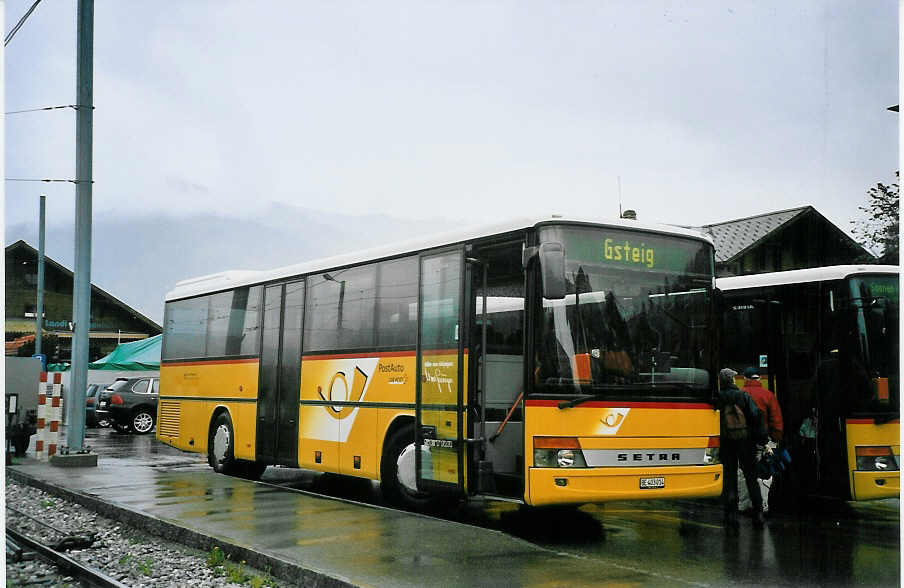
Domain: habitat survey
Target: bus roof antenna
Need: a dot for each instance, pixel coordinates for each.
(619, 197)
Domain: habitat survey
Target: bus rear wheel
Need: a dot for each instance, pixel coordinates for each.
(397, 473)
(221, 446)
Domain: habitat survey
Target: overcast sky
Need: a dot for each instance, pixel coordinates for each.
(708, 111)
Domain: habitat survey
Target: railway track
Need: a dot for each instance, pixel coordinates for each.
(18, 545)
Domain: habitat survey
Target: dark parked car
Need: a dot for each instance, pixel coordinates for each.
(91, 395)
(130, 404)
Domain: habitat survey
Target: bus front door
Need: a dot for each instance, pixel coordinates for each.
(280, 373)
(440, 374)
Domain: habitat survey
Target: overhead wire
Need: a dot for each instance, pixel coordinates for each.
(11, 34)
(43, 180)
(72, 106)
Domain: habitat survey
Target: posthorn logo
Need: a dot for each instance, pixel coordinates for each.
(612, 420)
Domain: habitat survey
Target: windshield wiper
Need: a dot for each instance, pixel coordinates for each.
(635, 388)
(576, 401)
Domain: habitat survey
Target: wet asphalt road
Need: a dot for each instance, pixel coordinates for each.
(684, 542)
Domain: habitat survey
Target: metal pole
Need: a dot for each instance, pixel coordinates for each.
(483, 372)
(39, 320)
(81, 295)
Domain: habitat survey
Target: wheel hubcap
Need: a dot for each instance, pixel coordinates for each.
(405, 467)
(143, 422)
(220, 443)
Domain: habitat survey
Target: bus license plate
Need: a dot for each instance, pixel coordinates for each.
(652, 483)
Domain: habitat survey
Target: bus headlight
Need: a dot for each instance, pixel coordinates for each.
(876, 459)
(558, 452)
(711, 454)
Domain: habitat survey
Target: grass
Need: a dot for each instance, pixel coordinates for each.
(144, 567)
(216, 558)
(235, 573)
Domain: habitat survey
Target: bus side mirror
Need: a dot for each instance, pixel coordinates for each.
(719, 301)
(552, 270)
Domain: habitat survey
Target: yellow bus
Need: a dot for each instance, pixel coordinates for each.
(543, 361)
(825, 340)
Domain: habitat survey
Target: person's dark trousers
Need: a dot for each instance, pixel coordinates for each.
(743, 454)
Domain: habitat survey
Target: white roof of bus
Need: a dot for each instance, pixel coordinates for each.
(235, 278)
(816, 274)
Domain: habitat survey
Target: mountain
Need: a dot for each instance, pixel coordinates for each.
(138, 259)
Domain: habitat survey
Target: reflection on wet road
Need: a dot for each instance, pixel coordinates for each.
(834, 543)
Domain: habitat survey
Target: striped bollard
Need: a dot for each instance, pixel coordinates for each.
(56, 414)
(43, 405)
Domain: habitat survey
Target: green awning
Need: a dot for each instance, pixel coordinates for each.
(137, 355)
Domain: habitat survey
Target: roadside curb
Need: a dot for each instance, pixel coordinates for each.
(282, 569)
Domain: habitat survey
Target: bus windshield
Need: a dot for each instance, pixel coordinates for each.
(876, 306)
(636, 320)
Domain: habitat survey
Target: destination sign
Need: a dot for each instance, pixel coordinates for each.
(629, 252)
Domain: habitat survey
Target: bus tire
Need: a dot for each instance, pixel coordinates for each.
(221, 446)
(391, 486)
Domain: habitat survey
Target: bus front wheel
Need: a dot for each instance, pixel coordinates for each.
(397, 473)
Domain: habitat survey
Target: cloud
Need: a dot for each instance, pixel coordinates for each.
(422, 110)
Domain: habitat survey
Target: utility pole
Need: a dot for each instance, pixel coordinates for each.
(39, 317)
(81, 294)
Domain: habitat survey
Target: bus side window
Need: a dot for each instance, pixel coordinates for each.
(397, 303)
(340, 310)
(185, 326)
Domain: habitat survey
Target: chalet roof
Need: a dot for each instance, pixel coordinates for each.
(736, 236)
(21, 244)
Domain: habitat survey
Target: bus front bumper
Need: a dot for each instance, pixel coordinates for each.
(876, 485)
(584, 485)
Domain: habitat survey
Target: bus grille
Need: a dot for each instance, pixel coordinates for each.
(170, 411)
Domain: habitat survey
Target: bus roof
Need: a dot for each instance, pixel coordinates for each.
(801, 276)
(235, 278)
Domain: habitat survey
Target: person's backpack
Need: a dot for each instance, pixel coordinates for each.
(734, 423)
(773, 464)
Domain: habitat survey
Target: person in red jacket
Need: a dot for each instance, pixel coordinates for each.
(772, 418)
(766, 402)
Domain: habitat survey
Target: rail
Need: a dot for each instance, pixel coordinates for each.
(90, 576)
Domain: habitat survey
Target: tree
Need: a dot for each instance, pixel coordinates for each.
(879, 228)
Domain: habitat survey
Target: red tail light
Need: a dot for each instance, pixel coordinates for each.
(714, 442)
(89, 400)
(117, 399)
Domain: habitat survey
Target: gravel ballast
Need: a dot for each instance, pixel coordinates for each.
(122, 552)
